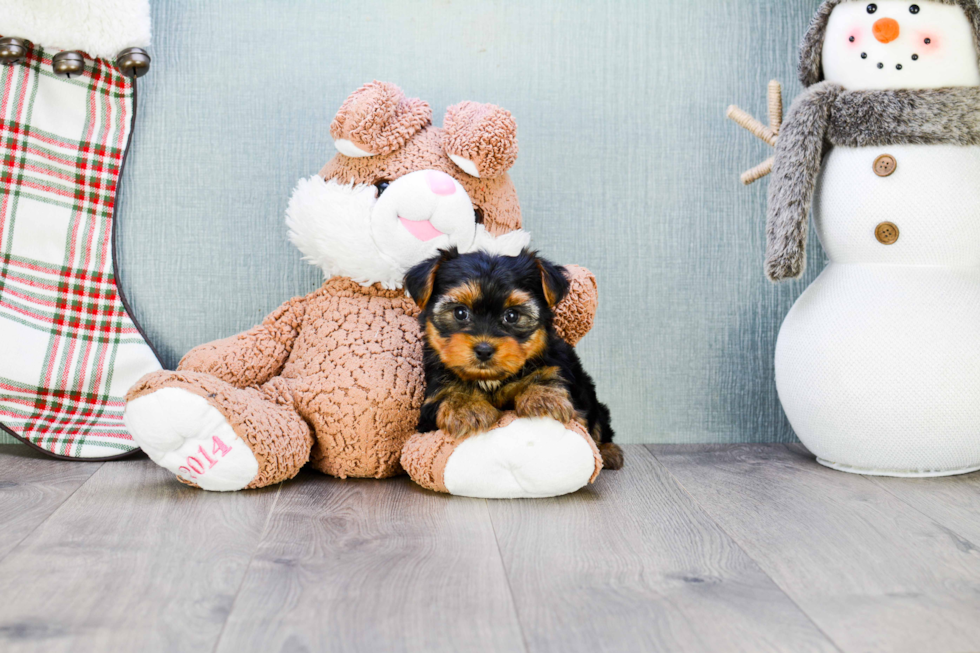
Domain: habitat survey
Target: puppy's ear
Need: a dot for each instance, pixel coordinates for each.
(420, 280)
(553, 281)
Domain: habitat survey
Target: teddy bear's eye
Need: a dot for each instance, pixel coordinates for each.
(478, 212)
(382, 186)
(872, 8)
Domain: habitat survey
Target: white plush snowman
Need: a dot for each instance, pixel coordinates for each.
(878, 362)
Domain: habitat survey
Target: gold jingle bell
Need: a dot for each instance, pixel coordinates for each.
(12, 50)
(133, 62)
(68, 64)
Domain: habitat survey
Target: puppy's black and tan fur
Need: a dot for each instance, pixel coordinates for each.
(490, 346)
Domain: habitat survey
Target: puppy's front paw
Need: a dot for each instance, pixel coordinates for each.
(464, 416)
(545, 401)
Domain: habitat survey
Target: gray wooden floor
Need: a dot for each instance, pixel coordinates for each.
(689, 548)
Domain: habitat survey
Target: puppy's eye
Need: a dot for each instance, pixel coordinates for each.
(382, 186)
(511, 316)
(461, 314)
(872, 8)
(914, 9)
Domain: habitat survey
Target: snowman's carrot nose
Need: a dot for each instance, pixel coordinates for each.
(886, 30)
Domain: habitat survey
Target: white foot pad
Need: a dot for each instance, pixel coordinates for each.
(183, 433)
(528, 458)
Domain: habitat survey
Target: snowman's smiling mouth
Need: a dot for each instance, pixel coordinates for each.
(421, 229)
(881, 65)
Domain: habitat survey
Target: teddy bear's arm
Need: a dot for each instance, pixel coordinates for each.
(254, 356)
(576, 312)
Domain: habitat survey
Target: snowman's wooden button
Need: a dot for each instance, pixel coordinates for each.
(886, 233)
(885, 165)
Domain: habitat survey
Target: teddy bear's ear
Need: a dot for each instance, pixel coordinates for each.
(480, 138)
(377, 119)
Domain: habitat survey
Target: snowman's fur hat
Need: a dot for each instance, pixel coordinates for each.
(811, 50)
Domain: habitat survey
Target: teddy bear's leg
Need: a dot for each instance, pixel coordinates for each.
(216, 436)
(519, 458)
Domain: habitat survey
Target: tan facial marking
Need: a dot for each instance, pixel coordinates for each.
(437, 342)
(535, 345)
(466, 294)
(516, 298)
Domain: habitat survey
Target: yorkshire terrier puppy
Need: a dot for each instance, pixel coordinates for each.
(490, 346)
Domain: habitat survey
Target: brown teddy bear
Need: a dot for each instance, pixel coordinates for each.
(335, 378)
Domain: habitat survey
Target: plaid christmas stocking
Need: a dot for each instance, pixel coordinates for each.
(69, 350)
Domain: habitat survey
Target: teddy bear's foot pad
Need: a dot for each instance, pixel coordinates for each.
(527, 458)
(182, 432)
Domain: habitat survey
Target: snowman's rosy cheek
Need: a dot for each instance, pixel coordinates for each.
(927, 42)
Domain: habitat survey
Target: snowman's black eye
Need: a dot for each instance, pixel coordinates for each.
(872, 8)
(914, 9)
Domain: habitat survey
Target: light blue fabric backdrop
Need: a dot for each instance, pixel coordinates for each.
(626, 166)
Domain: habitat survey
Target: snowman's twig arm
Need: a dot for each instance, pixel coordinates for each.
(766, 133)
(775, 106)
(799, 152)
(755, 174)
(747, 122)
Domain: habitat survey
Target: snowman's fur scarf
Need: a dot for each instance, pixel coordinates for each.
(826, 115)
(811, 51)
(799, 152)
(916, 117)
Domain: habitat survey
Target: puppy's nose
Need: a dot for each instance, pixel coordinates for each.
(484, 351)
(886, 30)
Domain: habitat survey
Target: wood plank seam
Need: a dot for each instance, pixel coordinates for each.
(758, 563)
(241, 583)
(503, 568)
(51, 514)
(948, 529)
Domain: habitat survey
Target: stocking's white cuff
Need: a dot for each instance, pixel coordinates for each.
(100, 28)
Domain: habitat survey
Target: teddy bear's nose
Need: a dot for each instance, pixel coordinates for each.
(440, 183)
(886, 30)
